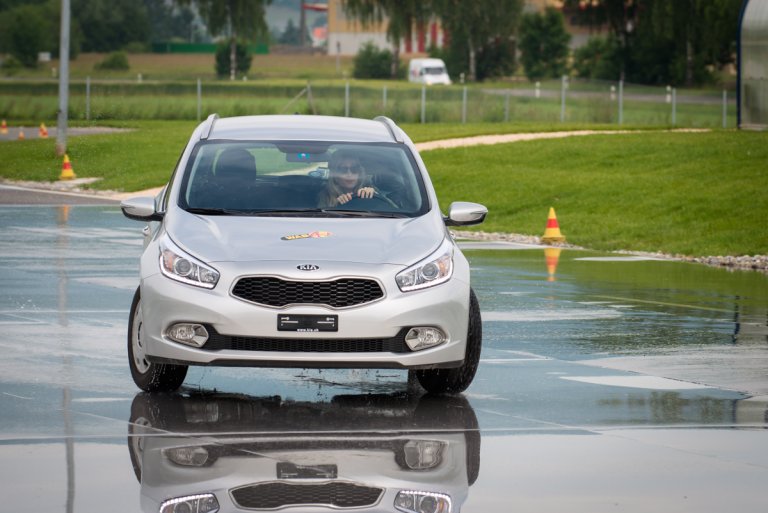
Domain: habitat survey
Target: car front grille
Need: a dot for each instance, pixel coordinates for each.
(276, 292)
(278, 495)
(217, 341)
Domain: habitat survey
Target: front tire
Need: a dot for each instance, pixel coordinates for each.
(148, 376)
(454, 381)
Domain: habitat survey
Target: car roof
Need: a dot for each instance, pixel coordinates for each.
(301, 128)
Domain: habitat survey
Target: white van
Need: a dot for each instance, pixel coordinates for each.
(428, 71)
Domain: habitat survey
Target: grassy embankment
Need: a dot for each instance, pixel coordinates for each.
(689, 193)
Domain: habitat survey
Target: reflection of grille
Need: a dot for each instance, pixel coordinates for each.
(395, 344)
(338, 293)
(278, 495)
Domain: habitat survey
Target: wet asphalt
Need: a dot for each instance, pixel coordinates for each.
(606, 383)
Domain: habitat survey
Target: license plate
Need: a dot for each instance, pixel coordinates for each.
(286, 470)
(307, 323)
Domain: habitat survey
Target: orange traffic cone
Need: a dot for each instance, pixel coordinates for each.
(552, 232)
(3, 128)
(21, 134)
(42, 132)
(66, 169)
(551, 257)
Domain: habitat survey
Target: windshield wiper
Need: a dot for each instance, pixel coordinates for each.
(366, 213)
(209, 211)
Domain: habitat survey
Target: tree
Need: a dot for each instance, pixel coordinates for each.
(663, 42)
(544, 44)
(482, 31)
(401, 16)
(598, 59)
(110, 25)
(244, 19)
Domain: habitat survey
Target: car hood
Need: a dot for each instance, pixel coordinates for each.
(247, 239)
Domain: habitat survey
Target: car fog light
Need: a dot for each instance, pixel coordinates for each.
(410, 501)
(424, 338)
(423, 454)
(189, 334)
(203, 503)
(188, 456)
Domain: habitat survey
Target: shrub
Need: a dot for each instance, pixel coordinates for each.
(115, 61)
(10, 65)
(598, 59)
(372, 62)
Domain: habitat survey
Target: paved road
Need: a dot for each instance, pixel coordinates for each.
(606, 384)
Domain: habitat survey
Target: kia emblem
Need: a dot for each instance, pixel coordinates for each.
(307, 267)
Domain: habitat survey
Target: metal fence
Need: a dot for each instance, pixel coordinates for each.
(555, 101)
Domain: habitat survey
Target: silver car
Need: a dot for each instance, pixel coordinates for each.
(302, 241)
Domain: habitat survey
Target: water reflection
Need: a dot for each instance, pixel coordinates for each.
(377, 453)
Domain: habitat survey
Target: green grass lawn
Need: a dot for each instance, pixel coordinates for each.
(689, 193)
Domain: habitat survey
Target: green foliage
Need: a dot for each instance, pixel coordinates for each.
(663, 42)
(372, 62)
(544, 44)
(598, 59)
(25, 31)
(110, 25)
(115, 61)
(223, 59)
(481, 36)
(10, 65)
(291, 35)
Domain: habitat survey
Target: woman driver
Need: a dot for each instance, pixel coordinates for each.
(346, 181)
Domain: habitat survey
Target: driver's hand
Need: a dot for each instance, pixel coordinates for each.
(365, 192)
(344, 198)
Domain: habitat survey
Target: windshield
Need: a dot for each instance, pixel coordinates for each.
(302, 178)
(434, 71)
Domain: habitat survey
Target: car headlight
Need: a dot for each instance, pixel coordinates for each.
(203, 503)
(433, 270)
(411, 501)
(179, 266)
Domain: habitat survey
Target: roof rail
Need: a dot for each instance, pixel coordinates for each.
(208, 126)
(391, 126)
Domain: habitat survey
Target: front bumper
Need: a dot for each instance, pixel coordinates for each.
(445, 306)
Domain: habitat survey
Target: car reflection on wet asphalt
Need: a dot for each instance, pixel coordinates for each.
(607, 383)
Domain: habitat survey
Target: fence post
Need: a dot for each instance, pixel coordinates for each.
(346, 99)
(199, 99)
(88, 98)
(725, 108)
(562, 98)
(423, 104)
(506, 106)
(621, 102)
(384, 99)
(674, 106)
(464, 106)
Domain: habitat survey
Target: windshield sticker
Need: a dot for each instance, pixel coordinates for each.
(313, 235)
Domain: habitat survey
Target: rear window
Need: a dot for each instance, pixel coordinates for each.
(302, 178)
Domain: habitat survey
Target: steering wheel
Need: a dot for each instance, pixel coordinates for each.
(377, 202)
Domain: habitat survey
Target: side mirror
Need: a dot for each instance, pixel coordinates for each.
(462, 213)
(140, 209)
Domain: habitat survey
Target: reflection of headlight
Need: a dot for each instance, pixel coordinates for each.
(179, 266)
(204, 503)
(433, 270)
(410, 501)
(187, 456)
(423, 454)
